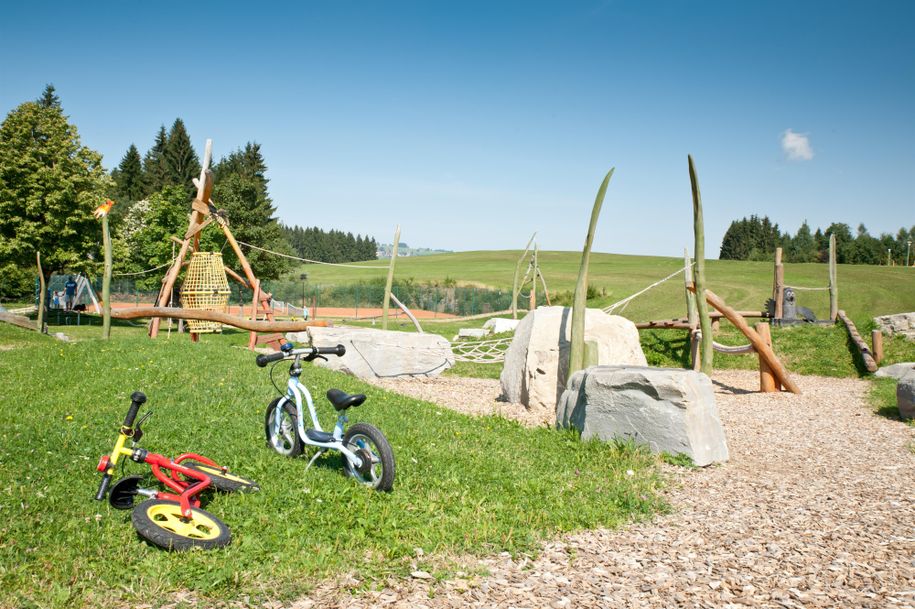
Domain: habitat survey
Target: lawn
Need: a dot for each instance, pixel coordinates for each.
(464, 485)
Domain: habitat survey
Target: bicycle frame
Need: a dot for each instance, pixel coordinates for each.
(297, 392)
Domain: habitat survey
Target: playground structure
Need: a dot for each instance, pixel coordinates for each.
(532, 274)
(783, 309)
(206, 284)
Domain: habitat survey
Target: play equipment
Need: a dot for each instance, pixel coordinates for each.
(870, 361)
(205, 288)
(533, 273)
(367, 455)
(783, 309)
(170, 520)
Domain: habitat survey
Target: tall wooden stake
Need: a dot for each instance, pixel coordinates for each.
(534, 263)
(692, 315)
(580, 302)
(390, 282)
(833, 283)
(515, 287)
(706, 352)
(41, 295)
(106, 281)
(778, 285)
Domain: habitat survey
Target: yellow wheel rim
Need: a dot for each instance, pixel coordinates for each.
(215, 471)
(197, 526)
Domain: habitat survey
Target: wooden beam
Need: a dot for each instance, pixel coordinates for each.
(778, 287)
(833, 281)
(866, 354)
(692, 314)
(767, 382)
(515, 286)
(217, 316)
(764, 350)
(385, 305)
(683, 323)
(18, 320)
(706, 352)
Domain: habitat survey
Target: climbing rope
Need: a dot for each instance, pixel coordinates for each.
(161, 266)
(794, 287)
(349, 266)
(625, 302)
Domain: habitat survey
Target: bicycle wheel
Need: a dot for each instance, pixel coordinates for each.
(377, 469)
(226, 482)
(160, 523)
(283, 437)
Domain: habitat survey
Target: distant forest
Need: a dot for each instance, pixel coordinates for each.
(756, 238)
(329, 246)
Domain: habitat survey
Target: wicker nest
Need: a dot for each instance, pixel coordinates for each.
(205, 288)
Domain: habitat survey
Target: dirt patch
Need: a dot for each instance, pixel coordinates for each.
(814, 509)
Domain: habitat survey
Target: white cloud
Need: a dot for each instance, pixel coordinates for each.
(796, 146)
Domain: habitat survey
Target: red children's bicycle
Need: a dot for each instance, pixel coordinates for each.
(171, 520)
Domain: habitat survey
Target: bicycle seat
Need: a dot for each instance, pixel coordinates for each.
(342, 400)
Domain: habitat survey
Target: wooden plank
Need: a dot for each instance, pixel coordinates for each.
(217, 316)
(866, 354)
(756, 340)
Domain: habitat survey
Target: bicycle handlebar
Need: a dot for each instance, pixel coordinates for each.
(137, 399)
(265, 358)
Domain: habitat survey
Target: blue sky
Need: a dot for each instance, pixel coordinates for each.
(474, 124)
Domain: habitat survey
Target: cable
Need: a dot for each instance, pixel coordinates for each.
(350, 266)
(144, 272)
(625, 302)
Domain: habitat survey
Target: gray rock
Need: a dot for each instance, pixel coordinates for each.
(374, 353)
(670, 410)
(902, 324)
(537, 361)
(896, 371)
(471, 334)
(498, 325)
(905, 396)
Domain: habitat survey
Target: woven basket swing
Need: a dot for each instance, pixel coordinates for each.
(205, 288)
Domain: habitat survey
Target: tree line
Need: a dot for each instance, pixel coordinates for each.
(756, 238)
(50, 185)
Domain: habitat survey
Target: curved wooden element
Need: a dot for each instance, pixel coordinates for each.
(217, 316)
(868, 357)
(404, 308)
(765, 351)
(706, 352)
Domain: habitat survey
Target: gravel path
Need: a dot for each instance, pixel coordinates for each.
(815, 509)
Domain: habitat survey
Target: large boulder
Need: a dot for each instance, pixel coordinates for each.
(905, 396)
(896, 371)
(670, 410)
(374, 353)
(499, 325)
(901, 324)
(537, 362)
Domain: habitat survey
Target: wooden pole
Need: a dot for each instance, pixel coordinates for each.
(833, 283)
(533, 304)
(706, 351)
(515, 287)
(781, 375)
(580, 302)
(766, 378)
(546, 292)
(41, 296)
(877, 342)
(692, 314)
(217, 316)
(694, 341)
(778, 287)
(252, 337)
(866, 354)
(106, 281)
(390, 282)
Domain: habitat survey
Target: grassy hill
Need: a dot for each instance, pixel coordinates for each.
(864, 291)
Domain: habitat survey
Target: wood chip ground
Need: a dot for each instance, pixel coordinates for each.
(814, 509)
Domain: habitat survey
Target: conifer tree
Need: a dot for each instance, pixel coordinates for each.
(129, 176)
(155, 172)
(181, 162)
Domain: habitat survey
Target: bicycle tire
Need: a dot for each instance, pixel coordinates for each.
(160, 523)
(227, 482)
(285, 441)
(358, 439)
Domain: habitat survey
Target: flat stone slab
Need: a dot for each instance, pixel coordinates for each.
(900, 324)
(471, 334)
(896, 371)
(374, 353)
(500, 325)
(670, 410)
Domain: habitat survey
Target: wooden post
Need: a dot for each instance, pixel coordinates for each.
(706, 351)
(106, 281)
(764, 350)
(580, 301)
(866, 354)
(694, 340)
(390, 282)
(877, 342)
(252, 337)
(515, 287)
(533, 304)
(778, 285)
(41, 295)
(833, 283)
(592, 353)
(692, 315)
(766, 378)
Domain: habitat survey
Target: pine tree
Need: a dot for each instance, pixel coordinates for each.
(49, 98)
(155, 172)
(181, 162)
(129, 176)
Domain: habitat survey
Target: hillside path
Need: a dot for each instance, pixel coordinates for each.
(816, 508)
